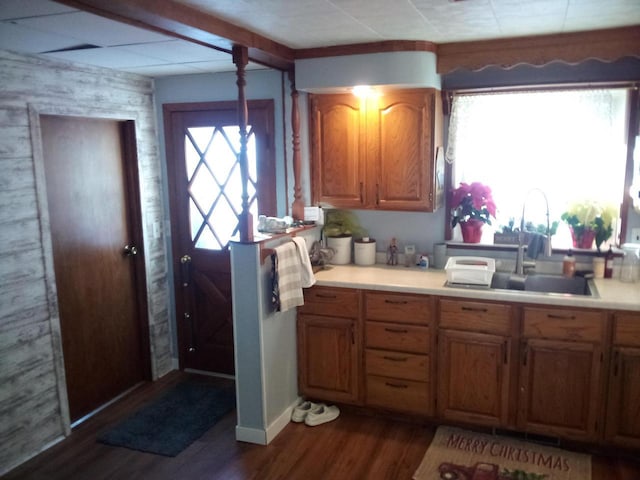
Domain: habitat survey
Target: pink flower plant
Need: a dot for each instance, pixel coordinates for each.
(472, 202)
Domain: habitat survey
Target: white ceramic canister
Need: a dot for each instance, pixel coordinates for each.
(364, 251)
(342, 248)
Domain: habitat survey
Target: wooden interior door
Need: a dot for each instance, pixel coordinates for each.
(203, 143)
(104, 335)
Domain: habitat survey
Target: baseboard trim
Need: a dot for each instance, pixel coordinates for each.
(280, 423)
(265, 436)
(251, 435)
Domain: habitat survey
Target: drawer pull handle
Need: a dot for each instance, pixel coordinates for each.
(395, 385)
(561, 317)
(395, 359)
(325, 295)
(474, 309)
(396, 302)
(396, 330)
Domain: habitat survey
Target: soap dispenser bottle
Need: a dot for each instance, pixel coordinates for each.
(569, 265)
(608, 264)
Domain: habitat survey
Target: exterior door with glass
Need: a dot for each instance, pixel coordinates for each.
(203, 145)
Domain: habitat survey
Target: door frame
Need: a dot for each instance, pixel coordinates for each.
(129, 124)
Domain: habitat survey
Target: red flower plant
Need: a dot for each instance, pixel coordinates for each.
(472, 201)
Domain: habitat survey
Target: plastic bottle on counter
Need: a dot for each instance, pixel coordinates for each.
(608, 264)
(569, 265)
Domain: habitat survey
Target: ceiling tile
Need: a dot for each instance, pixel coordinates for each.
(89, 28)
(12, 9)
(163, 70)
(22, 39)
(177, 51)
(110, 57)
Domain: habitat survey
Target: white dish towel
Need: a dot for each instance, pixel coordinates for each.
(291, 272)
(307, 279)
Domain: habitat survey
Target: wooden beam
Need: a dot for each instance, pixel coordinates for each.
(188, 23)
(364, 48)
(606, 45)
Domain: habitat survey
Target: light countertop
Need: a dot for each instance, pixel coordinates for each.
(612, 294)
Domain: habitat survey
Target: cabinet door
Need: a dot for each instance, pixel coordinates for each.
(560, 388)
(328, 355)
(337, 143)
(473, 377)
(623, 409)
(402, 145)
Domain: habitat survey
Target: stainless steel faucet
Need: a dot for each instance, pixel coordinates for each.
(520, 263)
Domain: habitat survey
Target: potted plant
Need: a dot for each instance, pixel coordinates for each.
(339, 228)
(590, 221)
(472, 207)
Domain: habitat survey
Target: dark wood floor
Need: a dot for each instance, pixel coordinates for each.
(353, 447)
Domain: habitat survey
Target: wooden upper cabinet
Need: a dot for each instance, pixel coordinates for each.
(401, 131)
(338, 150)
(378, 153)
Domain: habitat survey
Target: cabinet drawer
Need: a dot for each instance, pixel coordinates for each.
(391, 336)
(396, 394)
(475, 317)
(337, 302)
(626, 330)
(389, 307)
(397, 364)
(564, 324)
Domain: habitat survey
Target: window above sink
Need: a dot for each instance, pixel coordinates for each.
(572, 144)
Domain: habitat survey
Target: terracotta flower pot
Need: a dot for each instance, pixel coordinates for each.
(585, 240)
(471, 230)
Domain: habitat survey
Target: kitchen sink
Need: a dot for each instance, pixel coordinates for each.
(541, 283)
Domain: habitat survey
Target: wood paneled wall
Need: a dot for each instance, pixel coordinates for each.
(33, 410)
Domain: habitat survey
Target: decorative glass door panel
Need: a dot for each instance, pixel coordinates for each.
(214, 183)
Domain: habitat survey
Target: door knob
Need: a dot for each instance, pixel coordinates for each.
(130, 251)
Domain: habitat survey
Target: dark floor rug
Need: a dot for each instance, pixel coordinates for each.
(172, 422)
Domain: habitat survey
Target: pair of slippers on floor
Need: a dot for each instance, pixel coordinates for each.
(313, 414)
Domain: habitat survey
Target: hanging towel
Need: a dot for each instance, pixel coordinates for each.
(287, 285)
(307, 279)
(536, 245)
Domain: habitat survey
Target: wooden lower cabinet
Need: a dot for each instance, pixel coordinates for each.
(535, 369)
(329, 339)
(561, 372)
(474, 362)
(623, 407)
(473, 377)
(398, 343)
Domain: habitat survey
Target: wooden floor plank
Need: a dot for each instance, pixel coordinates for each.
(353, 447)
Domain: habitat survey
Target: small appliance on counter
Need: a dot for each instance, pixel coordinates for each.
(477, 271)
